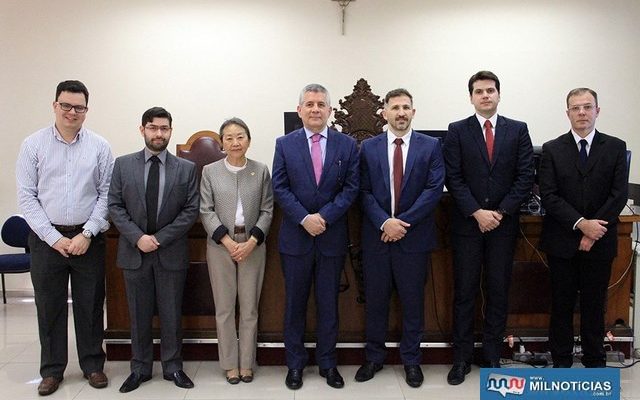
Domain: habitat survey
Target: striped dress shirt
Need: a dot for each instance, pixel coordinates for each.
(63, 183)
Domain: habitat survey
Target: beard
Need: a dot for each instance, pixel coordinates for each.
(155, 146)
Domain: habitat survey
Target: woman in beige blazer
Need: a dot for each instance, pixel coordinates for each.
(236, 207)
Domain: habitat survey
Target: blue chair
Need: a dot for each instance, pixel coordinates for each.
(15, 233)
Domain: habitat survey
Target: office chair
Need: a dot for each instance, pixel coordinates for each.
(15, 232)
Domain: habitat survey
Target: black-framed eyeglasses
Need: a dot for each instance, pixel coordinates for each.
(156, 128)
(68, 107)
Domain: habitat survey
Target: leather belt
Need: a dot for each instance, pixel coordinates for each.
(68, 228)
(238, 229)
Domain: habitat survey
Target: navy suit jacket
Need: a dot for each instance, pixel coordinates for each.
(569, 191)
(475, 183)
(128, 210)
(296, 191)
(422, 183)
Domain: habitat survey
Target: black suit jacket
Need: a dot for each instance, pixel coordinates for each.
(476, 183)
(597, 191)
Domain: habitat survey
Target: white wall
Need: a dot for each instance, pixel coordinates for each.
(206, 60)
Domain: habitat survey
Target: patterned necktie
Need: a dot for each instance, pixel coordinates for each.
(583, 153)
(316, 156)
(397, 173)
(153, 188)
(489, 138)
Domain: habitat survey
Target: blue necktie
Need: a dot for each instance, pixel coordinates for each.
(583, 153)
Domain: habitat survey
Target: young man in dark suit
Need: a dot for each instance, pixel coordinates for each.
(315, 181)
(583, 185)
(489, 162)
(154, 201)
(402, 174)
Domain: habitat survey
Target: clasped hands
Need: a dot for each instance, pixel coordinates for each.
(488, 220)
(592, 230)
(238, 251)
(148, 243)
(314, 224)
(393, 230)
(75, 246)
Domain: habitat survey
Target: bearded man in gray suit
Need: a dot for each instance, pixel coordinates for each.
(154, 201)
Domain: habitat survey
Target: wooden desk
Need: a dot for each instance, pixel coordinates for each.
(529, 297)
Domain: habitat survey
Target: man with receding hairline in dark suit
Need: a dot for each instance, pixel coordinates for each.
(583, 185)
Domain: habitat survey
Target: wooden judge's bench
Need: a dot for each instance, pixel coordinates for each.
(529, 299)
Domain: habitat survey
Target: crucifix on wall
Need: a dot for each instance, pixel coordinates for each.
(343, 7)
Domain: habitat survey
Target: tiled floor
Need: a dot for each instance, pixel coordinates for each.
(19, 378)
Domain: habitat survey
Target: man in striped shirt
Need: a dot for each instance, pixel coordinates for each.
(63, 173)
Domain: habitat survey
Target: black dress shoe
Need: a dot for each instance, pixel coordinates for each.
(367, 371)
(458, 372)
(334, 379)
(413, 375)
(133, 382)
(180, 379)
(294, 379)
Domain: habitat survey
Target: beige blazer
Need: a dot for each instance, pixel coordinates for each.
(219, 190)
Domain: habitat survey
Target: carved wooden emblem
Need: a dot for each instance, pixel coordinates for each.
(359, 114)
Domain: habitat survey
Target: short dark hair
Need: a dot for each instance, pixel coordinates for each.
(397, 93)
(156, 112)
(582, 90)
(72, 87)
(234, 121)
(483, 76)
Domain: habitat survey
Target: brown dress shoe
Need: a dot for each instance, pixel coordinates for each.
(97, 379)
(48, 385)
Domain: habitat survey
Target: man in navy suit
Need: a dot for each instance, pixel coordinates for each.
(489, 160)
(402, 174)
(315, 181)
(583, 184)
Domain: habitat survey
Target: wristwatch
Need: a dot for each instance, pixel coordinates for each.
(87, 233)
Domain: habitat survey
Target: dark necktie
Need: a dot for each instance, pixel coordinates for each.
(397, 172)
(488, 132)
(583, 153)
(153, 187)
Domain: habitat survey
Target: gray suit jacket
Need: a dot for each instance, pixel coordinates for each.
(219, 191)
(178, 212)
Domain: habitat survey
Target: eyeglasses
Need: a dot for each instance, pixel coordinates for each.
(156, 128)
(68, 107)
(586, 108)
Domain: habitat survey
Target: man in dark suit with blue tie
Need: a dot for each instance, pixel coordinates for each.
(154, 201)
(402, 174)
(489, 161)
(315, 181)
(583, 185)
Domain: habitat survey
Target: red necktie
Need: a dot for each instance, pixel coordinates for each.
(489, 138)
(397, 172)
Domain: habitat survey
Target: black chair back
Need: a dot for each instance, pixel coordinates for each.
(15, 232)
